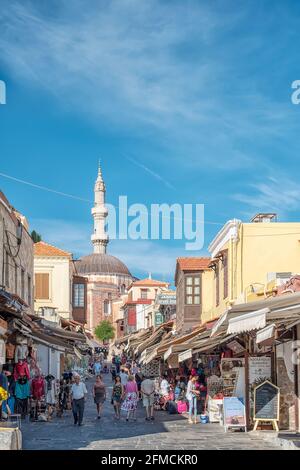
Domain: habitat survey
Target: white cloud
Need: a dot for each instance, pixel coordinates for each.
(274, 194)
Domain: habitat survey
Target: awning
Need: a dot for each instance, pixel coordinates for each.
(248, 322)
(185, 355)
(219, 323)
(266, 333)
(151, 356)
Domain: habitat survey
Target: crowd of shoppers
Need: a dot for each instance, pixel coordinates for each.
(179, 393)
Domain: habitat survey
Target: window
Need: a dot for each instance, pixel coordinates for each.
(42, 286)
(78, 300)
(29, 290)
(123, 289)
(106, 307)
(225, 275)
(192, 290)
(16, 278)
(23, 284)
(217, 285)
(144, 293)
(6, 269)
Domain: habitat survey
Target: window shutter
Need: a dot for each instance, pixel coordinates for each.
(42, 286)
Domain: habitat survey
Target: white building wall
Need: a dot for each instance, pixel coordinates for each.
(60, 276)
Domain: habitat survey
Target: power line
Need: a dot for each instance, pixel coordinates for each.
(44, 188)
(71, 196)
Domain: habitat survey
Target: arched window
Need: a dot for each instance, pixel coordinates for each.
(123, 289)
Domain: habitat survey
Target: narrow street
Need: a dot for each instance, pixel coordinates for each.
(170, 432)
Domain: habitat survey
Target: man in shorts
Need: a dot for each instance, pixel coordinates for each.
(148, 389)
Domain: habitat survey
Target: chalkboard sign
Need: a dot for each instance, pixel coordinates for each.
(266, 402)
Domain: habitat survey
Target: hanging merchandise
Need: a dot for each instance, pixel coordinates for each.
(10, 351)
(22, 392)
(21, 352)
(2, 351)
(21, 369)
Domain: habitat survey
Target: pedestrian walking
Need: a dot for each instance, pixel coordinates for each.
(164, 391)
(124, 377)
(116, 398)
(130, 397)
(79, 394)
(118, 363)
(148, 389)
(99, 394)
(97, 367)
(113, 371)
(191, 395)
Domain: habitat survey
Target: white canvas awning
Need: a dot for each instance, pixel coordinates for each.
(266, 333)
(185, 355)
(248, 322)
(168, 353)
(218, 323)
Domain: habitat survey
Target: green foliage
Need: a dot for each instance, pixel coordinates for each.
(105, 331)
(36, 237)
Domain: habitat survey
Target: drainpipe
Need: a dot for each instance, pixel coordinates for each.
(296, 381)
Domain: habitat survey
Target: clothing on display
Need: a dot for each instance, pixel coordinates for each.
(38, 388)
(50, 389)
(21, 352)
(2, 351)
(21, 369)
(22, 389)
(10, 351)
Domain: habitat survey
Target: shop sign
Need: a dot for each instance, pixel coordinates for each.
(259, 369)
(236, 347)
(266, 403)
(165, 299)
(234, 412)
(159, 319)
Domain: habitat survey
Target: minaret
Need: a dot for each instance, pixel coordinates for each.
(99, 212)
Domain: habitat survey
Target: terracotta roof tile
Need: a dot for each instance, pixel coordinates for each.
(44, 249)
(193, 264)
(150, 283)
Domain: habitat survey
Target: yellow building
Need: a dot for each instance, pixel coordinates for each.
(248, 259)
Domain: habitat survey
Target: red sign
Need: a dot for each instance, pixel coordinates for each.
(131, 316)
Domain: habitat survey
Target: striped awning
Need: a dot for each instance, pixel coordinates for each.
(248, 322)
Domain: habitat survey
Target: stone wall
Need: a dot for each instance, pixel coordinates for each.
(285, 381)
(14, 258)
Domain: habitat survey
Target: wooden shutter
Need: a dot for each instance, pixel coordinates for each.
(42, 286)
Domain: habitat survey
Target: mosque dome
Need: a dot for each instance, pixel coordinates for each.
(101, 263)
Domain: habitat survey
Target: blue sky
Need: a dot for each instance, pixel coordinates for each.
(184, 102)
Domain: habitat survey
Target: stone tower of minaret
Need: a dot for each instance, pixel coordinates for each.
(99, 212)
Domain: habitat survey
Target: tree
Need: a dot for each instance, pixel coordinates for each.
(36, 237)
(105, 331)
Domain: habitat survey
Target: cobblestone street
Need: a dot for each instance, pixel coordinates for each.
(167, 432)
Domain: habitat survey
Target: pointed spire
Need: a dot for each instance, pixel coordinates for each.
(99, 168)
(150, 276)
